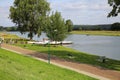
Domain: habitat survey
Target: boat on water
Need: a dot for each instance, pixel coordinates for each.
(50, 42)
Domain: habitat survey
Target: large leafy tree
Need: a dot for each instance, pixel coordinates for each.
(29, 15)
(69, 25)
(56, 30)
(116, 7)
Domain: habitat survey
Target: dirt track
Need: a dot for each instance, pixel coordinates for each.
(89, 70)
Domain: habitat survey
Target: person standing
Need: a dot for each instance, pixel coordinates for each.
(1, 40)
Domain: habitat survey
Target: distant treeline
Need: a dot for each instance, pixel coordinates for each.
(8, 28)
(115, 26)
(92, 27)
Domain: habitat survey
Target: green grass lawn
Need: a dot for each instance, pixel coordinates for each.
(18, 67)
(104, 33)
(76, 56)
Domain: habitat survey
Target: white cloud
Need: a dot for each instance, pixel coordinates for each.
(84, 11)
(79, 11)
(4, 11)
(4, 14)
(79, 6)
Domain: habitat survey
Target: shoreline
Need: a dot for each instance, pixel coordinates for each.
(77, 56)
(97, 33)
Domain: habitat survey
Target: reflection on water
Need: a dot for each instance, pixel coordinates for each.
(108, 46)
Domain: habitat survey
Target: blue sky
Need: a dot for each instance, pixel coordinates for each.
(79, 11)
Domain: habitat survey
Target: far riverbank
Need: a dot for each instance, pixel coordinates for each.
(100, 33)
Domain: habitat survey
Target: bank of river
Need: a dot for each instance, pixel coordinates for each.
(108, 46)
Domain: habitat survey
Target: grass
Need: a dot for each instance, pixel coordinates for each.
(18, 67)
(8, 36)
(76, 56)
(11, 38)
(103, 33)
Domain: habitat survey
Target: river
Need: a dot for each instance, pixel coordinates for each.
(108, 46)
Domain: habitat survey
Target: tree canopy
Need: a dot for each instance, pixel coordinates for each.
(69, 25)
(29, 15)
(115, 7)
(56, 30)
(115, 26)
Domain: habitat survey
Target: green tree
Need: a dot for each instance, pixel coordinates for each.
(1, 28)
(29, 15)
(116, 7)
(115, 26)
(56, 30)
(69, 25)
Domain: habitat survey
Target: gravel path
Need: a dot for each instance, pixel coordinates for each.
(96, 72)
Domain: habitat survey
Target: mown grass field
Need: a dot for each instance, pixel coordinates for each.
(73, 55)
(102, 33)
(18, 67)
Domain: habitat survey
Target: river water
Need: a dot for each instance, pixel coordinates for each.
(108, 46)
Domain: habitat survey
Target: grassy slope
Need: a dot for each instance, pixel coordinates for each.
(105, 33)
(17, 67)
(77, 56)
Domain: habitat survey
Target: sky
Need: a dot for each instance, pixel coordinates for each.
(81, 12)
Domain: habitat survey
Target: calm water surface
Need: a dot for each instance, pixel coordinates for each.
(108, 46)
